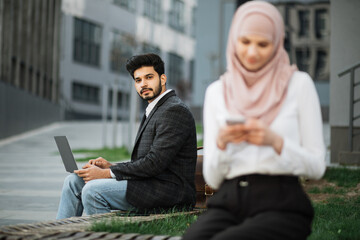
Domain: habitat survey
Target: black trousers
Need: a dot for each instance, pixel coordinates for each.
(255, 207)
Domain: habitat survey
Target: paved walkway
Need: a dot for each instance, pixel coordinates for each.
(31, 171)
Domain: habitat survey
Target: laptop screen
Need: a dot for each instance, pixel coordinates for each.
(66, 153)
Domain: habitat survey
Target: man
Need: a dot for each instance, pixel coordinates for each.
(162, 167)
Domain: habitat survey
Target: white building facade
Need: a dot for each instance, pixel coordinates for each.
(99, 36)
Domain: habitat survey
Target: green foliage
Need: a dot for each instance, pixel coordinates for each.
(200, 143)
(199, 128)
(173, 225)
(199, 132)
(110, 154)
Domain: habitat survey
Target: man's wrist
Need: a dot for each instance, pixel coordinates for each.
(112, 174)
(107, 173)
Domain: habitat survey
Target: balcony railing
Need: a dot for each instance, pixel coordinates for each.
(353, 101)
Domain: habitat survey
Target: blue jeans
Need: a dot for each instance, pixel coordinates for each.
(96, 196)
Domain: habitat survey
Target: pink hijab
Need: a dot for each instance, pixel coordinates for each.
(257, 94)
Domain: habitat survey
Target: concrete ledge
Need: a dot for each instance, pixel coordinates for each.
(77, 228)
(349, 158)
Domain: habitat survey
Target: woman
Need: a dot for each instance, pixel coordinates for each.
(255, 165)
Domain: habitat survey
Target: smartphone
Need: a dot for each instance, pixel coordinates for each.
(235, 120)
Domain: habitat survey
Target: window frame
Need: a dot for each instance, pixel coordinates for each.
(175, 69)
(120, 50)
(153, 9)
(87, 42)
(177, 15)
(85, 93)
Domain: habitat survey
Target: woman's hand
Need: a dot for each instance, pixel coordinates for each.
(99, 162)
(261, 135)
(231, 134)
(254, 131)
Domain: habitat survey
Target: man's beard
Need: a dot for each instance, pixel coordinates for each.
(156, 92)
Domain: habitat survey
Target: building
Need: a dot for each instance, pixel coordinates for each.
(99, 36)
(307, 26)
(213, 19)
(29, 64)
(345, 100)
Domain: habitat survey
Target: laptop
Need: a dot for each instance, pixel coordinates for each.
(66, 153)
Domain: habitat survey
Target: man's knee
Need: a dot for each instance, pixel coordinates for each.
(88, 191)
(71, 178)
(92, 192)
(93, 199)
(73, 181)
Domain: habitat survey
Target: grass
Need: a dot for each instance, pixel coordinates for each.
(172, 225)
(199, 131)
(339, 218)
(110, 154)
(200, 143)
(343, 177)
(336, 217)
(199, 128)
(328, 190)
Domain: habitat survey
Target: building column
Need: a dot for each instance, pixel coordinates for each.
(29, 48)
(1, 35)
(42, 46)
(35, 47)
(18, 42)
(55, 60)
(9, 23)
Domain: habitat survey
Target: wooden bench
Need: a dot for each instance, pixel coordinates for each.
(203, 191)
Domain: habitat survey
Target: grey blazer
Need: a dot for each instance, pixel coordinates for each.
(162, 167)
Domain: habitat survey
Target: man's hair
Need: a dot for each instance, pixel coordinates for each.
(145, 60)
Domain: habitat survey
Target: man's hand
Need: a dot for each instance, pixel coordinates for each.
(93, 172)
(99, 162)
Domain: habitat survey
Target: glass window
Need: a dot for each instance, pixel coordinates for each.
(193, 22)
(85, 93)
(303, 59)
(304, 23)
(176, 15)
(321, 72)
(192, 73)
(127, 4)
(153, 10)
(122, 48)
(122, 99)
(175, 70)
(87, 41)
(149, 48)
(320, 23)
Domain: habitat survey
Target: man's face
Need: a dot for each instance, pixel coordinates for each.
(148, 84)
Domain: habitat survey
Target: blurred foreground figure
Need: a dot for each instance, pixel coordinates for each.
(262, 130)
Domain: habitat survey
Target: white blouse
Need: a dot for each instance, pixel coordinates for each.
(298, 122)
